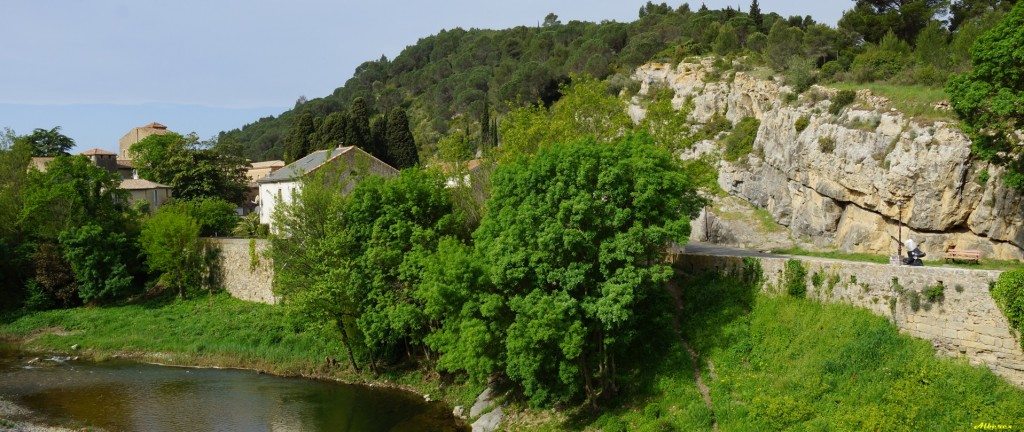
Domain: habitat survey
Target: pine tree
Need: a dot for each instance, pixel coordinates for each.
(401, 146)
(297, 143)
(755, 15)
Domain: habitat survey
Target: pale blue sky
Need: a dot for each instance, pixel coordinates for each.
(97, 68)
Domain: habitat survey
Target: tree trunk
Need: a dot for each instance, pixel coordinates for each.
(348, 347)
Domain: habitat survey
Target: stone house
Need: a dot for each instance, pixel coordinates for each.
(152, 192)
(346, 166)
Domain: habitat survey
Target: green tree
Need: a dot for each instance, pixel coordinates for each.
(572, 237)
(872, 19)
(297, 144)
(783, 43)
(357, 132)
(755, 15)
(332, 131)
(990, 98)
(170, 241)
(99, 259)
(931, 47)
(71, 192)
(49, 142)
(401, 146)
(378, 138)
(194, 172)
(727, 41)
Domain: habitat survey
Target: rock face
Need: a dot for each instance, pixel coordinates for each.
(839, 182)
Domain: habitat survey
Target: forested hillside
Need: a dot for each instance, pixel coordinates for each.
(463, 81)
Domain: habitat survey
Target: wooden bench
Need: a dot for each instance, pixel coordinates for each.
(962, 255)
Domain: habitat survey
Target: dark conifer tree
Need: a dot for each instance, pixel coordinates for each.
(401, 145)
(358, 130)
(297, 143)
(755, 15)
(378, 138)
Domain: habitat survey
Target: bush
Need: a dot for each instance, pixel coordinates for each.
(1009, 296)
(841, 100)
(914, 299)
(934, 294)
(741, 141)
(795, 277)
(830, 69)
(826, 144)
(800, 74)
(801, 123)
(818, 279)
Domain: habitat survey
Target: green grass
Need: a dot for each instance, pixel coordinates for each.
(795, 364)
(224, 332)
(913, 100)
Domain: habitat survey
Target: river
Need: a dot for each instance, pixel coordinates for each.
(127, 396)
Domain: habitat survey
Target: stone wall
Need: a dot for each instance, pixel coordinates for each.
(966, 322)
(241, 278)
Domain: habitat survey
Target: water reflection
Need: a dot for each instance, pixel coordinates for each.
(131, 396)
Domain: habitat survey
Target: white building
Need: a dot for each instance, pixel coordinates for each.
(346, 166)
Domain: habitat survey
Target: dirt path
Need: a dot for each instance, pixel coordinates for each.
(705, 392)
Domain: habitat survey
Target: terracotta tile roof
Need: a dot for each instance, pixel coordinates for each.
(137, 184)
(97, 151)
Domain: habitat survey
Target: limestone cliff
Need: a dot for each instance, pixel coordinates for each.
(837, 183)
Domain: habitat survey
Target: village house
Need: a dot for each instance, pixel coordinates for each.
(152, 192)
(346, 166)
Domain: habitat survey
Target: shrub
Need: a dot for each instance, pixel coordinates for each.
(830, 69)
(826, 144)
(914, 299)
(818, 279)
(801, 123)
(753, 274)
(795, 277)
(841, 100)
(741, 141)
(1009, 296)
(983, 177)
(800, 74)
(717, 124)
(934, 294)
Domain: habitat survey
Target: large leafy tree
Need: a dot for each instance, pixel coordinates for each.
(192, 169)
(572, 237)
(170, 241)
(872, 19)
(76, 210)
(49, 142)
(990, 98)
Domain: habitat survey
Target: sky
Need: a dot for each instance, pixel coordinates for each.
(98, 68)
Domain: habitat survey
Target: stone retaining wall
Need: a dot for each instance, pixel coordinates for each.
(244, 277)
(966, 322)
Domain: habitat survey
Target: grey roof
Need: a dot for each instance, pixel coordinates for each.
(305, 165)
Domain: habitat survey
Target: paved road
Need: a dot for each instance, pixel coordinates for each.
(701, 248)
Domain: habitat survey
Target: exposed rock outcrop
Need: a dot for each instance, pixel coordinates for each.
(840, 181)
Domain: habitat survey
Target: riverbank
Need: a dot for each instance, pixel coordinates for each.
(785, 362)
(215, 332)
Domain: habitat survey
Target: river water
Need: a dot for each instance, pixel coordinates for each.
(121, 395)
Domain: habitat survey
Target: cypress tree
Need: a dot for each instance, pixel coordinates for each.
(401, 146)
(297, 143)
(332, 131)
(755, 15)
(378, 138)
(485, 125)
(358, 131)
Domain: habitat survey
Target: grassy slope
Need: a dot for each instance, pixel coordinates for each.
(788, 364)
(779, 363)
